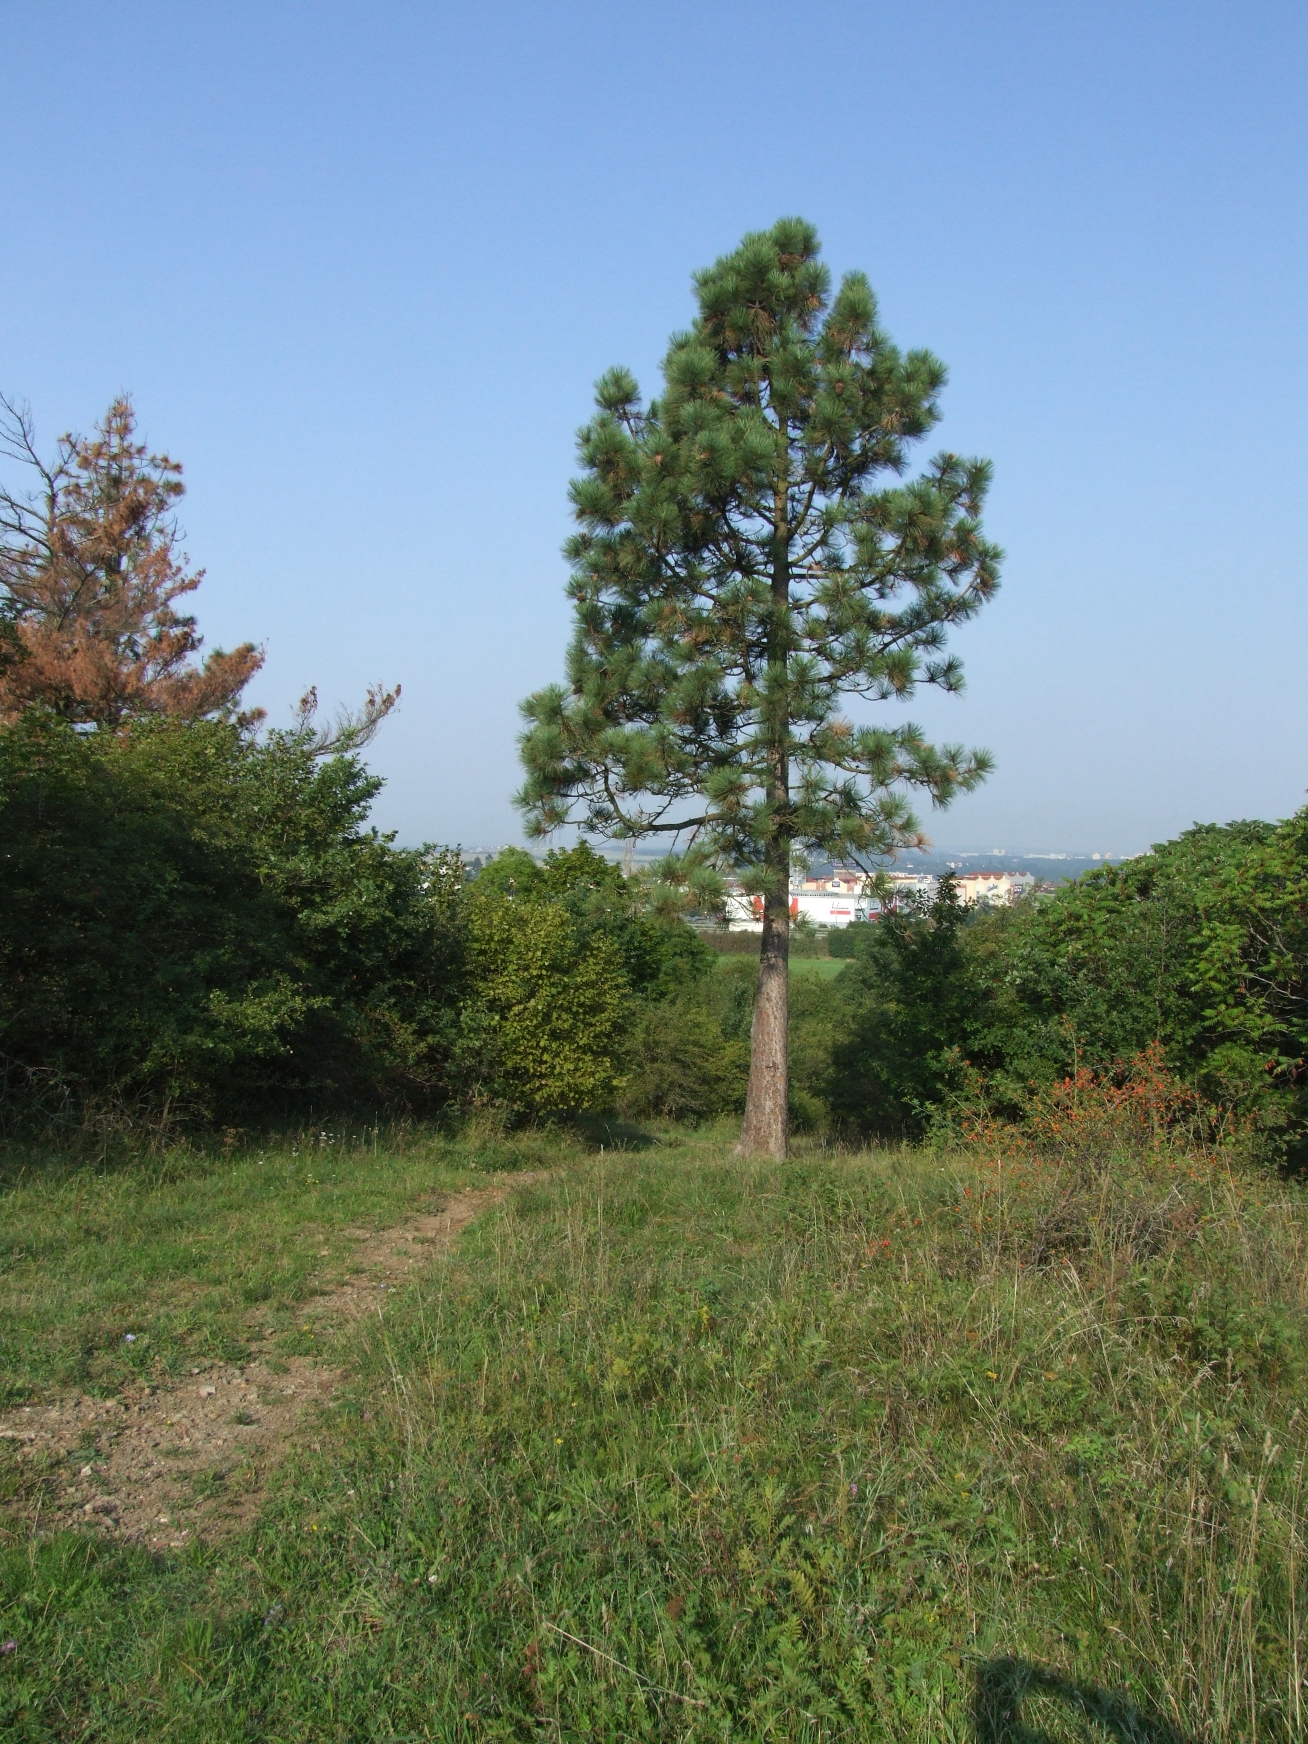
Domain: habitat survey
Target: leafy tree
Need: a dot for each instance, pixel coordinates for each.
(1252, 969)
(919, 1007)
(540, 1027)
(199, 924)
(658, 951)
(741, 566)
(90, 577)
(566, 966)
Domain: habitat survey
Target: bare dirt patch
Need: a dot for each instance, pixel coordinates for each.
(385, 1257)
(161, 1465)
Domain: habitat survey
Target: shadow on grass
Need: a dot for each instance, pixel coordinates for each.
(1003, 1685)
(610, 1133)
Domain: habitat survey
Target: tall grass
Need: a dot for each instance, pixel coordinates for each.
(900, 1445)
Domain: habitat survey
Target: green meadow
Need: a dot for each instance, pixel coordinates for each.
(885, 1444)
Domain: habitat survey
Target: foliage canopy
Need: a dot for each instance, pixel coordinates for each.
(741, 567)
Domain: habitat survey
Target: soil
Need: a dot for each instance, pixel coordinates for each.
(163, 1465)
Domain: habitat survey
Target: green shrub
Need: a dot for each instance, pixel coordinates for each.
(194, 922)
(540, 1026)
(679, 1065)
(851, 940)
(915, 1002)
(688, 1057)
(1201, 945)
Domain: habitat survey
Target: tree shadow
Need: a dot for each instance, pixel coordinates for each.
(598, 1132)
(1002, 1686)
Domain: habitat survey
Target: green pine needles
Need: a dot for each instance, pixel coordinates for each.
(748, 556)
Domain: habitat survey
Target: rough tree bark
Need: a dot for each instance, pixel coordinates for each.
(766, 1128)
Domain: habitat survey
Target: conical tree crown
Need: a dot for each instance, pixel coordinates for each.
(745, 558)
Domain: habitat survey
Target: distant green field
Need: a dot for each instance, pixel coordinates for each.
(823, 967)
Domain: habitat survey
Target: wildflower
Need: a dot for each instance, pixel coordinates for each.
(558, 1441)
(8, 1647)
(129, 1338)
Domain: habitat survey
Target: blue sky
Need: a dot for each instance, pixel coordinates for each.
(360, 267)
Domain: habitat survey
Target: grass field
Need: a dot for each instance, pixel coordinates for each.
(889, 1445)
(181, 1252)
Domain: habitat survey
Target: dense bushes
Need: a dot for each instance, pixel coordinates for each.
(199, 924)
(545, 1003)
(682, 1062)
(1200, 947)
(913, 996)
(688, 1056)
(849, 941)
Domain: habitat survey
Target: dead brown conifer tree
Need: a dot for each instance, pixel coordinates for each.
(90, 575)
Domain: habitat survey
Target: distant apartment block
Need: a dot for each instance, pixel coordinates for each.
(835, 899)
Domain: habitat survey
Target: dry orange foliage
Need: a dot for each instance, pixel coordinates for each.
(1139, 1109)
(91, 573)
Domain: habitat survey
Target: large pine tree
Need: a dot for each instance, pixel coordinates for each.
(749, 555)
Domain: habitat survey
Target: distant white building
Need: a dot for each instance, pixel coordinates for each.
(997, 889)
(742, 911)
(828, 908)
(835, 899)
(919, 884)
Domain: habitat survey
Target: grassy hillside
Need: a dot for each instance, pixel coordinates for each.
(676, 1446)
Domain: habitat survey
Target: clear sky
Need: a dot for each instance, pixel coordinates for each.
(360, 266)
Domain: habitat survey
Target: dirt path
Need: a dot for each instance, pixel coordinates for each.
(162, 1464)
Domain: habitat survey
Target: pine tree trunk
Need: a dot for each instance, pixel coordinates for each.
(767, 1101)
(767, 1123)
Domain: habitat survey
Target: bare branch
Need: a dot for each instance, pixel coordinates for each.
(351, 730)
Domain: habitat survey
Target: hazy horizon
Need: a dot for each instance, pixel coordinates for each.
(648, 850)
